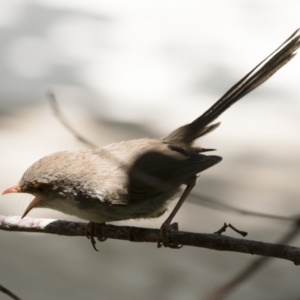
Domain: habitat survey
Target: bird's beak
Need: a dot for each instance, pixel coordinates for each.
(14, 189)
(31, 205)
(17, 189)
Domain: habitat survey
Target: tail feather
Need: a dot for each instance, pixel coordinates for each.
(262, 72)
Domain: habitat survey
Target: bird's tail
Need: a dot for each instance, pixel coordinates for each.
(190, 132)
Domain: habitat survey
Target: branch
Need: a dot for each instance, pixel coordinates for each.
(137, 234)
(215, 204)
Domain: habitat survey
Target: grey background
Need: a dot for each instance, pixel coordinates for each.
(130, 69)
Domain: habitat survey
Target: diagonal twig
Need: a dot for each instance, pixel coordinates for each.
(214, 204)
(61, 118)
(8, 293)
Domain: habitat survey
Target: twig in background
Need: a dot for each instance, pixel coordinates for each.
(61, 118)
(214, 204)
(8, 293)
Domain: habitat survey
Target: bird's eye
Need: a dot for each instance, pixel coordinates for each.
(35, 187)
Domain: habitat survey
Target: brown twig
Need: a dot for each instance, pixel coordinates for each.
(222, 229)
(241, 232)
(137, 234)
(225, 226)
(61, 118)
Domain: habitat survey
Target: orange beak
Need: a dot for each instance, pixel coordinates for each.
(17, 189)
(14, 189)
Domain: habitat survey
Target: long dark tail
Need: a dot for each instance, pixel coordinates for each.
(188, 133)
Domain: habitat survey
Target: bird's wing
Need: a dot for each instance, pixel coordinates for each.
(162, 169)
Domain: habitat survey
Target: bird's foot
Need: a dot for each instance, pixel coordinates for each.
(163, 239)
(95, 229)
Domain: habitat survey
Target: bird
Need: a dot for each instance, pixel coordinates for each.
(137, 179)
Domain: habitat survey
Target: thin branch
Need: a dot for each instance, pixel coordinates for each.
(223, 291)
(214, 204)
(8, 293)
(61, 118)
(137, 234)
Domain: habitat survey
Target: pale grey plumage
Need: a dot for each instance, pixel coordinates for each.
(96, 185)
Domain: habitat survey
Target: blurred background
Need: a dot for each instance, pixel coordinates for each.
(132, 69)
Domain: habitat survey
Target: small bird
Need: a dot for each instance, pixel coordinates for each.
(138, 179)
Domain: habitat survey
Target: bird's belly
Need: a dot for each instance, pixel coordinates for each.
(101, 212)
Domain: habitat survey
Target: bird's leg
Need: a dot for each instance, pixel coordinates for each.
(167, 226)
(95, 229)
(90, 234)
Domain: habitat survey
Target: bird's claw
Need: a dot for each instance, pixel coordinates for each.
(95, 229)
(163, 239)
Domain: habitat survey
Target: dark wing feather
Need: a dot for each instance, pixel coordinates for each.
(163, 169)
